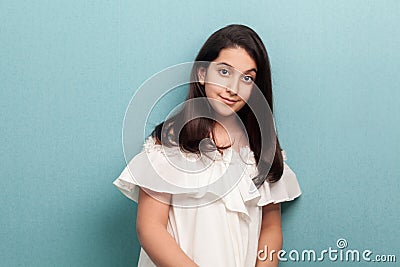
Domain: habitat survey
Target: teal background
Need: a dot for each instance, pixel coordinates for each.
(68, 70)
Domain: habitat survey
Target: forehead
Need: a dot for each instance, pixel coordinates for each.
(237, 58)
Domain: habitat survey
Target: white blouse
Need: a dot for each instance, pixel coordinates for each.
(216, 210)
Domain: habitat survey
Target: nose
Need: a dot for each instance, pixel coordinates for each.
(233, 86)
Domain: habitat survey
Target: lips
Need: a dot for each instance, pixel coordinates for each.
(228, 100)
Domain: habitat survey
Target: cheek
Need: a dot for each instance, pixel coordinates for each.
(245, 93)
(212, 90)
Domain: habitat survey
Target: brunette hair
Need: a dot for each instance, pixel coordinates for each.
(195, 130)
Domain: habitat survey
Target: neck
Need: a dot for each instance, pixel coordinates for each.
(228, 123)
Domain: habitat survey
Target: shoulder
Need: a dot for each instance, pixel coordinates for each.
(151, 143)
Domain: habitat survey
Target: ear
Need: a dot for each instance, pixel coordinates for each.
(201, 74)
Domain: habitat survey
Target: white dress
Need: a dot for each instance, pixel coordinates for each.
(215, 223)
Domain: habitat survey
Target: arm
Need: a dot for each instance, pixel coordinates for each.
(270, 235)
(151, 227)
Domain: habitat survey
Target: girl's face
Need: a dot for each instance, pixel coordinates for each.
(229, 80)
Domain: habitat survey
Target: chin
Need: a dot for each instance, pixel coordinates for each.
(224, 110)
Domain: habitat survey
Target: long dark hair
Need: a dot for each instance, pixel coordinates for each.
(195, 130)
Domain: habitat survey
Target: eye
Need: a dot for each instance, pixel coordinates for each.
(248, 79)
(224, 72)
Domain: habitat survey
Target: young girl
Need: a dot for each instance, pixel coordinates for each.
(227, 211)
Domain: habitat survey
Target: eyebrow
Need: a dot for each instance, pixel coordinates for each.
(247, 71)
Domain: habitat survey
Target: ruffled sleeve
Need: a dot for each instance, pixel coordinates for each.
(162, 169)
(149, 170)
(285, 189)
(126, 184)
(143, 171)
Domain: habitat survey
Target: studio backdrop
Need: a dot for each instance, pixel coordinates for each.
(68, 70)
